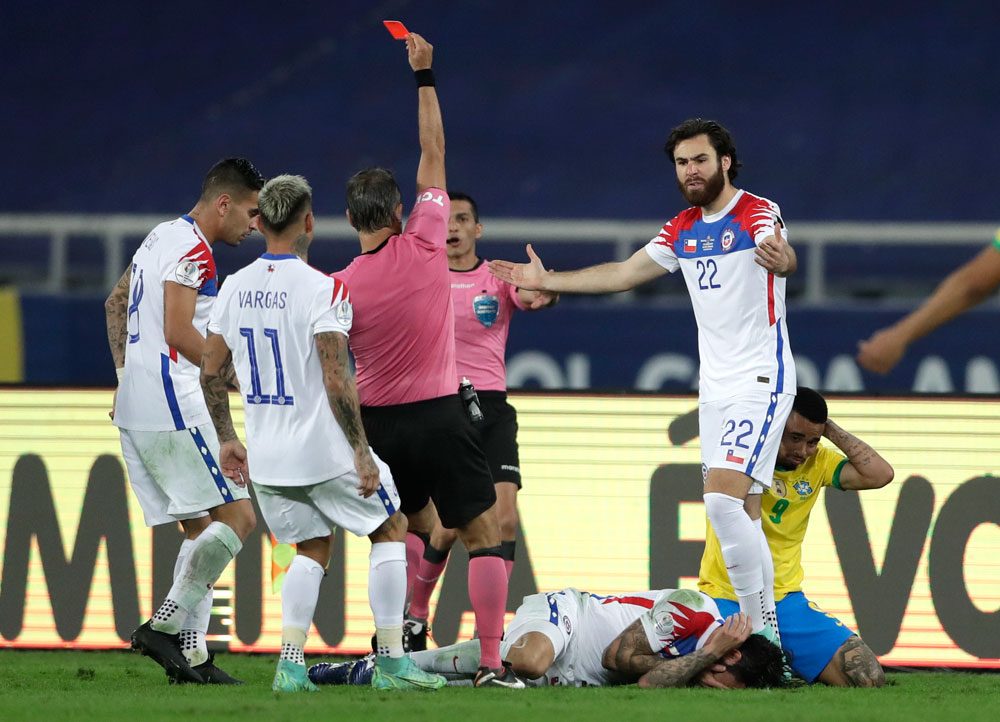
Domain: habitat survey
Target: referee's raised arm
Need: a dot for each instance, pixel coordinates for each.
(430, 172)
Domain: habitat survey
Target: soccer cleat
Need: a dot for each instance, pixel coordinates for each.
(213, 675)
(357, 672)
(291, 677)
(401, 673)
(770, 633)
(502, 677)
(415, 630)
(165, 650)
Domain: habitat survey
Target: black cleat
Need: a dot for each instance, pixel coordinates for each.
(165, 650)
(210, 674)
(502, 677)
(415, 629)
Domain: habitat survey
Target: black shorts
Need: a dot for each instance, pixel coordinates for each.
(498, 431)
(434, 453)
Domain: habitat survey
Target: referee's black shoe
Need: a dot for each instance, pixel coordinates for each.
(210, 674)
(501, 677)
(415, 630)
(165, 650)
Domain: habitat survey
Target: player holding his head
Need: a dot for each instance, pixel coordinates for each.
(659, 638)
(730, 247)
(483, 307)
(404, 347)
(156, 320)
(285, 325)
(820, 647)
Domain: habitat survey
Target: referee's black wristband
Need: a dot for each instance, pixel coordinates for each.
(424, 78)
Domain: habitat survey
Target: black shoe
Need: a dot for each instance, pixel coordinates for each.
(502, 677)
(210, 674)
(415, 629)
(165, 650)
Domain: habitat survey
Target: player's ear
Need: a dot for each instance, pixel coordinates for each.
(727, 161)
(349, 221)
(479, 230)
(732, 657)
(399, 211)
(310, 221)
(222, 204)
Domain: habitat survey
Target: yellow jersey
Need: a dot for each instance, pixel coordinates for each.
(785, 509)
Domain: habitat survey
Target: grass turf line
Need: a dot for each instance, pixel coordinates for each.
(119, 686)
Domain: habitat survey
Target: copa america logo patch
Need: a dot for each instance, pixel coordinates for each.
(345, 312)
(188, 273)
(664, 622)
(727, 239)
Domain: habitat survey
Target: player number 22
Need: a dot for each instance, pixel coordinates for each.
(709, 269)
(746, 428)
(256, 395)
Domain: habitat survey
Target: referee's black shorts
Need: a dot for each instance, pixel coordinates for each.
(434, 453)
(498, 432)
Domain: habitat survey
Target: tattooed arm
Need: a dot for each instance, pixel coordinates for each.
(116, 313)
(342, 393)
(216, 358)
(854, 665)
(865, 469)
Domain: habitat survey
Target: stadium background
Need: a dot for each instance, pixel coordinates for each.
(556, 111)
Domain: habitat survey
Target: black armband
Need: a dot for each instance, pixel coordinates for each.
(424, 78)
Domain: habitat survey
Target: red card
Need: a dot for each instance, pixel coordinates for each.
(396, 29)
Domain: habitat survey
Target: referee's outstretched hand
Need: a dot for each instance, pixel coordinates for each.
(419, 51)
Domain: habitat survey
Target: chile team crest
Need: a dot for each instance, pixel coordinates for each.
(727, 239)
(486, 308)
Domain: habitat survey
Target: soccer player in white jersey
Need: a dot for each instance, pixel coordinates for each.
(284, 325)
(659, 638)
(156, 320)
(731, 249)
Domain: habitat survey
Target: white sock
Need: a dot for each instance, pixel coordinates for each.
(461, 658)
(740, 543)
(195, 625)
(387, 595)
(299, 594)
(210, 553)
(292, 642)
(767, 574)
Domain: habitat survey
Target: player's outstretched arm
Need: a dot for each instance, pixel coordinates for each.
(216, 358)
(342, 393)
(604, 278)
(963, 289)
(430, 171)
(865, 467)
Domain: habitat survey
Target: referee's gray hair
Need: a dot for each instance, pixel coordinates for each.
(282, 200)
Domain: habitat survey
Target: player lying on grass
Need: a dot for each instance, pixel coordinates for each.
(659, 638)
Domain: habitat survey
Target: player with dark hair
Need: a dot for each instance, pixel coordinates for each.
(403, 340)
(286, 326)
(659, 638)
(731, 250)
(964, 288)
(156, 320)
(483, 306)
(820, 647)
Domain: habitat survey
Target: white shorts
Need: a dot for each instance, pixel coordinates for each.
(557, 616)
(174, 474)
(743, 433)
(297, 513)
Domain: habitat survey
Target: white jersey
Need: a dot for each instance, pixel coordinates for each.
(160, 389)
(269, 313)
(676, 621)
(739, 306)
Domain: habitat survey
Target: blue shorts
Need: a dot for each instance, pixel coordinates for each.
(809, 635)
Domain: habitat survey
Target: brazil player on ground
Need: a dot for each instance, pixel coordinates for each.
(821, 648)
(156, 319)
(659, 638)
(731, 250)
(285, 325)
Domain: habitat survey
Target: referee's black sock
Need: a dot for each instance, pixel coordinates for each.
(507, 550)
(496, 551)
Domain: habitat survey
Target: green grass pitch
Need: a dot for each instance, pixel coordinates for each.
(76, 686)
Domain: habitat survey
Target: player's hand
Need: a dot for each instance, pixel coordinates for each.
(367, 470)
(882, 351)
(419, 51)
(733, 632)
(544, 299)
(708, 678)
(775, 254)
(114, 405)
(529, 276)
(233, 462)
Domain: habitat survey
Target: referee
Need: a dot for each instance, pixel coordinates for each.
(403, 342)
